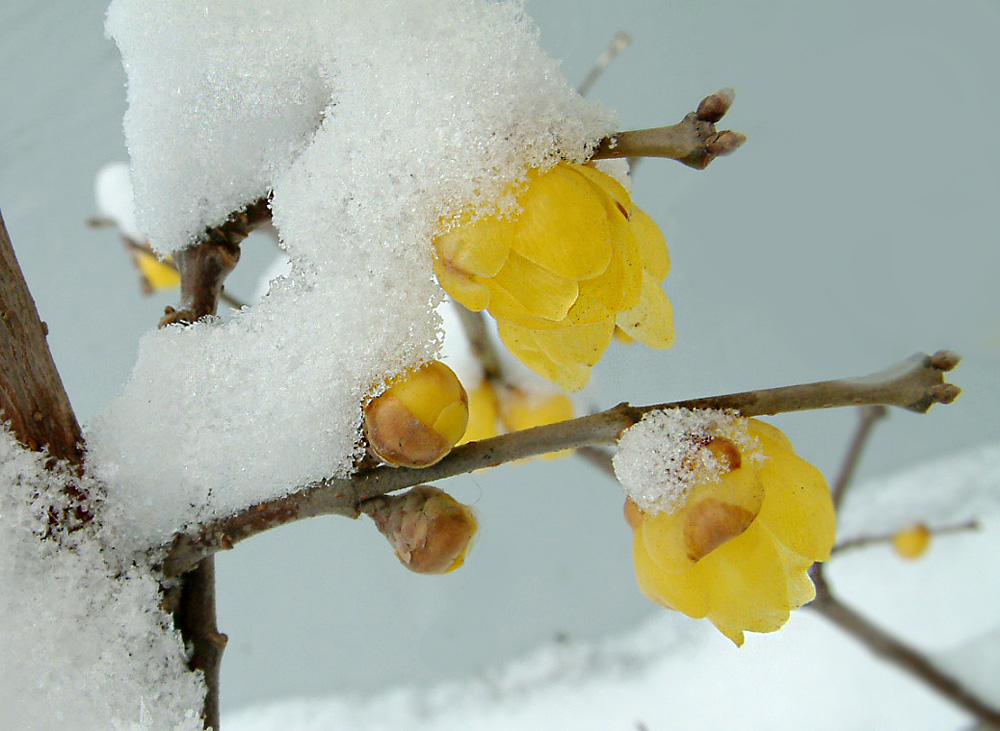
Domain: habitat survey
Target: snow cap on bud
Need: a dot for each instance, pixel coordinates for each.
(430, 531)
(912, 542)
(417, 420)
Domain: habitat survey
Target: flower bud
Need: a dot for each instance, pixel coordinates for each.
(430, 531)
(417, 420)
(912, 542)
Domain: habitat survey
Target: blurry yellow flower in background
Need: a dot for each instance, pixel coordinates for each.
(577, 260)
(514, 409)
(738, 548)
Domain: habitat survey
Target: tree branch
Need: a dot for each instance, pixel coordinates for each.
(205, 266)
(892, 650)
(33, 400)
(194, 616)
(915, 384)
(865, 541)
(693, 141)
(32, 397)
(868, 416)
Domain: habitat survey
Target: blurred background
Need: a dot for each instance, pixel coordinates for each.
(856, 227)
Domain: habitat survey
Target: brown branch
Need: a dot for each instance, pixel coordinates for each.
(868, 416)
(194, 616)
(693, 141)
(32, 397)
(33, 400)
(203, 269)
(865, 541)
(474, 327)
(899, 654)
(205, 265)
(915, 385)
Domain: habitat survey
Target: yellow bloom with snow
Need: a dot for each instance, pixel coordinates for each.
(738, 548)
(578, 260)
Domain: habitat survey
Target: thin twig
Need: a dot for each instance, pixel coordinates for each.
(619, 43)
(599, 458)
(865, 541)
(868, 415)
(474, 326)
(896, 652)
(915, 384)
(693, 141)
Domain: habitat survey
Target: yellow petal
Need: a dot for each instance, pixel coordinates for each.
(675, 591)
(537, 290)
(462, 288)
(483, 414)
(712, 514)
(797, 508)
(521, 342)
(615, 190)
(563, 225)
(577, 344)
(749, 585)
(655, 257)
(158, 274)
(651, 321)
(477, 247)
(521, 411)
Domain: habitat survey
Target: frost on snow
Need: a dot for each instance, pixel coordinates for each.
(83, 644)
(661, 458)
(369, 123)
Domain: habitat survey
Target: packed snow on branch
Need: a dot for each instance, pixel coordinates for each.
(368, 124)
(83, 642)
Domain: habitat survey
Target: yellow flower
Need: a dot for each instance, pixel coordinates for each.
(577, 260)
(912, 542)
(514, 409)
(484, 411)
(738, 549)
(417, 420)
(156, 274)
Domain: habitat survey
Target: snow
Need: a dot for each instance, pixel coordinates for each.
(661, 457)
(83, 642)
(373, 123)
(116, 200)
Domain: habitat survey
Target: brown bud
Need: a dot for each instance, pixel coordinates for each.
(430, 531)
(633, 515)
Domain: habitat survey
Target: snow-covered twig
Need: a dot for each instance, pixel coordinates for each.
(915, 384)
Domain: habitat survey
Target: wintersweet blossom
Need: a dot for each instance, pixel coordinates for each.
(514, 409)
(738, 548)
(420, 416)
(577, 260)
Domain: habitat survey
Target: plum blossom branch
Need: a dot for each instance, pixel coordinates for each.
(693, 141)
(915, 384)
